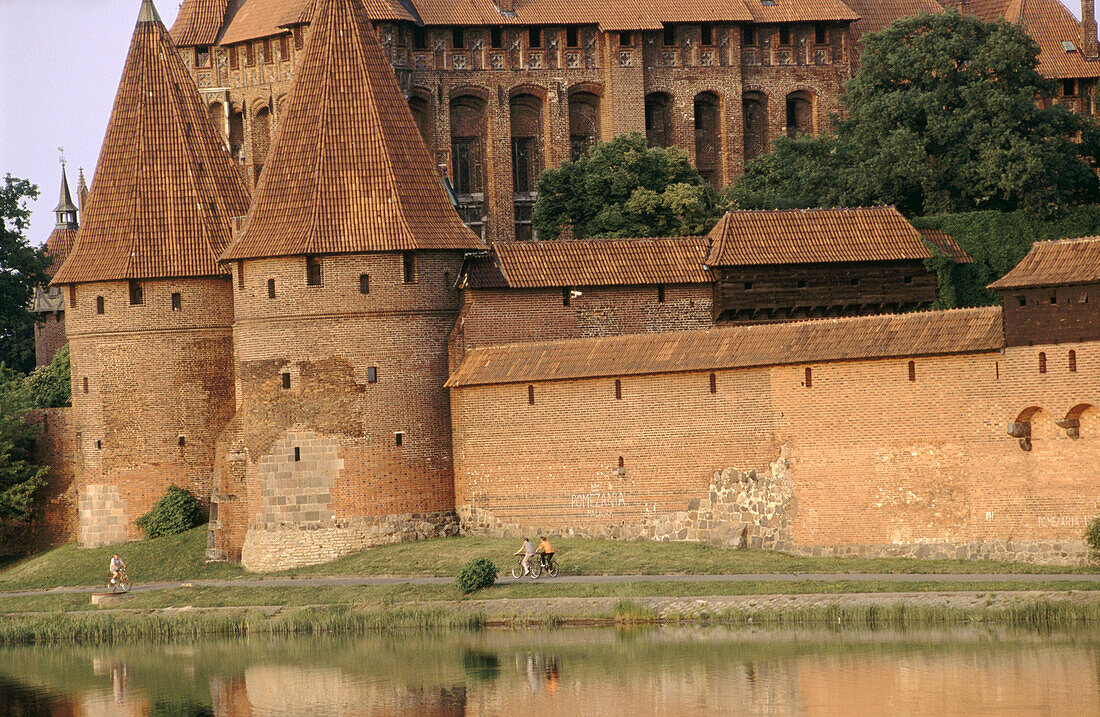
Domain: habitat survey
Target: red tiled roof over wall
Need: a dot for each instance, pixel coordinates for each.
(1054, 263)
(865, 337)
(165, 186)
(58, 247)
(877, 14)
(804, 236)
(264, 18)
(1050, 24)
(598, 262)
(198, 22)
(349, 171)
(946, 244)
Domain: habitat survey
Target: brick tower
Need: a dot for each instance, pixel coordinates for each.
(149, 309)
(48, 302)
(344, 296)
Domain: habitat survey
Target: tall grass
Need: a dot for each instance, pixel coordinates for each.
(160, 627)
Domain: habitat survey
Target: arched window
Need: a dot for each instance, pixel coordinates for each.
(754, 106)
(658, 119)
(525, 113)
(912, 370)
(800, 113)
(217, 116)
(808, 381)
(261, 139)
(1072, 361)
(584, 123)
(422, 115)
(236, 134)
(707, 140)
(467, 152)
(1042, 362)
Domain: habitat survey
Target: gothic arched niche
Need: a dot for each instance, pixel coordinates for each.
(525, 112)
(422, 115)
(755, 116)
(800, 113)
(658, 119)
(584, 123)
(261, 139)
(707, 139)
(467, 144)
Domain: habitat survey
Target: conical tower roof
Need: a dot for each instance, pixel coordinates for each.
(348, 172)
(165, 187)
(65, 203)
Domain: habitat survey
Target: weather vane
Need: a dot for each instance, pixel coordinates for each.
(62, 151)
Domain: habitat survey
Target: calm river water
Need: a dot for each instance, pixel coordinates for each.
(652, 671)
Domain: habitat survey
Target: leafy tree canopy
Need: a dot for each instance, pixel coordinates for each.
(20, 478)
(22, 268)
(941, 117)
(623, 188)
(50, 386)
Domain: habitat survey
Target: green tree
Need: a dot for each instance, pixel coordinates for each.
(50, 386)
(941, 117)
(20, 478)
(623, 188)
(22, 268)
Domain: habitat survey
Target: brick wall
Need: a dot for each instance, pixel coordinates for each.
(1051, 314)
(328, 379)
(879, 464)
(503, 316)
(152, 389)
(49, 337)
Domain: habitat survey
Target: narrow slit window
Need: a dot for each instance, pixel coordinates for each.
(99, 304)
(565, 291)
(821, 35)
(572, 37)
(748, 35)
(372, 374)
(530, 395)
(1042, 362)
(408, 267)
(784, 34)
(618, 389)
(85, 384)
(271, 288)
(458, 38)
(912, 370)
(622, 462)
(706, 34)
(1021, 300)
(908, 280)
(1072, 361)
(364, 283)
(855, 282)
(1053, 297)
(98, 445)
(997, 370)
(399, 438)
(713, 383)
(137, 296)
(748, 286)
(496, 38)
(297, 454)
(313, 271)
(420, 38)
(801, 283)
(177, 301)
(808, 381)
(182, 441)
(625, 39)
(660, 293)
(240, 274)
(72, 296)
(286, 380)
(669, 36)
(534, 37)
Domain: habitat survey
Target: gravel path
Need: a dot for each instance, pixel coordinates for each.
(596, 579)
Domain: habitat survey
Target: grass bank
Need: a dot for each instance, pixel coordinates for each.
(182, 558)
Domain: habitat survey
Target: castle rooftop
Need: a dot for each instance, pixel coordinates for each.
(165, 187)
(804, 236)
(1055, 263)
(349, 171)
(927, 333)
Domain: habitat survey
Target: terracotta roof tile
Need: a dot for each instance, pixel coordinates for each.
(59, 245)
(946, 244)
(877, 14)
(165, 186)
(800, 11)
(264, 18)
(801, 236)
(1050, 24)
(865, 337)
(599, 262)
(623, 15)
(199, 22)
(1053, 263)
(349, 171)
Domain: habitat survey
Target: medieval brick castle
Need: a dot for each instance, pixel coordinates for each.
(332, 349)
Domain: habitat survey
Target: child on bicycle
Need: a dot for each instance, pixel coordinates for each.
(527, 550)
(116, 567)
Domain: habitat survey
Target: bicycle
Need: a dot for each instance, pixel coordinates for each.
(534, 565)
(550, 566)
(119, 583)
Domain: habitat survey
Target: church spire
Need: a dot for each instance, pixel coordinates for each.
(82, 191)
(65, 209)
(165, 185)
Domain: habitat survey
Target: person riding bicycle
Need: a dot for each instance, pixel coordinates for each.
(545, 551)
(526, 550)
(117, 566)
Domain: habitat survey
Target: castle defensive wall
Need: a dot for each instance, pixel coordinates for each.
(338, 361)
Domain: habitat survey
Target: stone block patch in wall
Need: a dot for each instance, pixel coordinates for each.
(297, 476)
(102, 516)
(284, 546)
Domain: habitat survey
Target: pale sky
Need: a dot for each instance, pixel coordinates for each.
(60, 63)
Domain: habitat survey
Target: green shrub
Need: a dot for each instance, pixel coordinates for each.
(1092, 536)
(477, 574)
(177, 512)
(50, 386)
